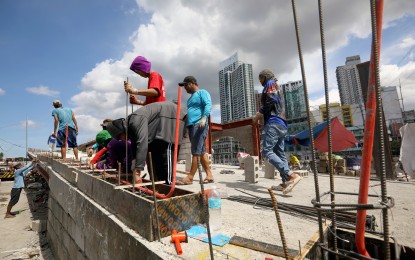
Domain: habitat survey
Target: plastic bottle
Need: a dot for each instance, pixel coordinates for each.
(215, 205)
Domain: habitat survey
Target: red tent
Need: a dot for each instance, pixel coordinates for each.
(342, 138)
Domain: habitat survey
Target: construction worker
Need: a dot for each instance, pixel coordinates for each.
(155, 91)
(68, 128)
(199, 106)
(273, 135)
(151, 129)
(20, 172)
(294, 162)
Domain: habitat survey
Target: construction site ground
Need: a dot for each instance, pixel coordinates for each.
(247, 221)
(238, 219)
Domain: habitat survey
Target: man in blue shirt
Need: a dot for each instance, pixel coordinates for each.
(19, 174)
(199, 106)
(68, 128)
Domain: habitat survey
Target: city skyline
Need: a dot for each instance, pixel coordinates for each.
(80, 53)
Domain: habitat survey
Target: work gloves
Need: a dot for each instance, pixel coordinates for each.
(202, 121)
(129, 88)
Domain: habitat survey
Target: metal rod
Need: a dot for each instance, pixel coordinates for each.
(126, 135)
(376, 52)
(206, 207)
(154, 194)
(119, 173)
(309, 116)
(330, 146)
(277, 215)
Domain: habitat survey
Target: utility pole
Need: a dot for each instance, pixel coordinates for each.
(26, 138)
(401, 99)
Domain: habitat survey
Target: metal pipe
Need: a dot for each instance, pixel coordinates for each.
(376, 15)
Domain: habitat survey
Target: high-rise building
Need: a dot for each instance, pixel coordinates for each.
(236, 88)
(391, 107)
(295, 106)
(349, 115)
(348, 82)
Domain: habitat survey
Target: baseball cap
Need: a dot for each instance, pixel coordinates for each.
(188, 79)
(57, 102)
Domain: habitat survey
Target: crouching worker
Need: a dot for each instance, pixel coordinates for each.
(112, 153)
(20, 172)
(151, 129)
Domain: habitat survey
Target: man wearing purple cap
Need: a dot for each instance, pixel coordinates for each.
(155, 91)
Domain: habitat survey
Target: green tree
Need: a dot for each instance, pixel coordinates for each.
(1, 156)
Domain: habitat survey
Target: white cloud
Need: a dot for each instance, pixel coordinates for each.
(191, 38)
(407, 43)
(391, 74)
(43, 90)
(2, 92)
(333, 98)
(30, 123)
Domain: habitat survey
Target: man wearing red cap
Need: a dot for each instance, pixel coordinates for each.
(155, 91)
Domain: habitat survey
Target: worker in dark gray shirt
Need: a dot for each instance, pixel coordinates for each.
(151, 128)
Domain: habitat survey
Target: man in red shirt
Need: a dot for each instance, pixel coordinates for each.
(155, 91)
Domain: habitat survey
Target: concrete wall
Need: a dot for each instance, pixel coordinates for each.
(80, 228)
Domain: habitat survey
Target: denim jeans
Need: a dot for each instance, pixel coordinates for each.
(272, 145)
(197, 136)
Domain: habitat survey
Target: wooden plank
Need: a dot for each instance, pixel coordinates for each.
(312, 241)
(261, 246)
(137, 185)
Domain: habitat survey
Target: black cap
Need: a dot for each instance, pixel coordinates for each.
(188, 79)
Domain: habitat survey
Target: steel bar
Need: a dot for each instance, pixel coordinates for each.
(154, 194)
(309, 116)
(277, 215)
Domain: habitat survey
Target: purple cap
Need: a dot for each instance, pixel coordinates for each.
(142, 64)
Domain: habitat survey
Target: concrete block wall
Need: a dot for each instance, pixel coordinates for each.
(79, 228)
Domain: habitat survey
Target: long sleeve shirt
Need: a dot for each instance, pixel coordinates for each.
(153, 121)
(198, 105)
(19, 175)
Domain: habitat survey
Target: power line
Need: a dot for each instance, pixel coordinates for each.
(11, 143)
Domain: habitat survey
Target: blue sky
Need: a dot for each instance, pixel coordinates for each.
(80, 52)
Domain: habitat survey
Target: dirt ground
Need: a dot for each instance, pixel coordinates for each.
(19, 241)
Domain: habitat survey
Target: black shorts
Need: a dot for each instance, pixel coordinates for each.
(162, 154)
(15, 196)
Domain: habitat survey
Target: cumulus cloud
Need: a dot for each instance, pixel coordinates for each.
(43, 90)
(30, 123)
(185, 37)
(2, 92)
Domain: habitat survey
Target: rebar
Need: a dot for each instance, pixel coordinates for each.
(386, 248)
(326, 92)
(277, 215)
(154, 194)
(206, 207)
(309, 116)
